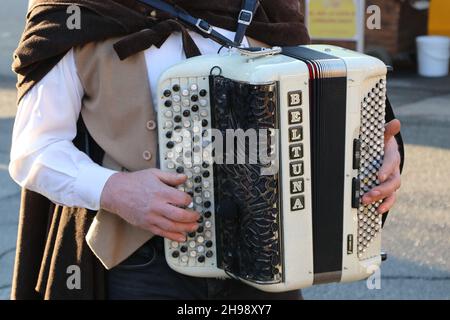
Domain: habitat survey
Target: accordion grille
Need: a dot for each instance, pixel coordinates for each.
(372, 153)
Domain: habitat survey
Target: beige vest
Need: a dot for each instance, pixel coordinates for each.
(118, 111)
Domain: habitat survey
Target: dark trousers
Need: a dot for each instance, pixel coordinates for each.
(146, 275)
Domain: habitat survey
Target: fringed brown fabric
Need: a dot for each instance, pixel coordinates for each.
(46, 37)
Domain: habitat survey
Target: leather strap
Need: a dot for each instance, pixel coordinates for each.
(195, 23)
(245, 19)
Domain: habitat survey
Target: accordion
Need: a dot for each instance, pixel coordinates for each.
(278, 146)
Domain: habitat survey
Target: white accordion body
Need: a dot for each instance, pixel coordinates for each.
(305, 224)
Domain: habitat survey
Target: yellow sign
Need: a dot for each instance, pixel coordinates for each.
(332, 19)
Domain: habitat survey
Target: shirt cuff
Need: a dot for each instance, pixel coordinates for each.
(90, 183)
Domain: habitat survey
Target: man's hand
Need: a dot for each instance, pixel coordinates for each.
(389, 174)
(148, 199)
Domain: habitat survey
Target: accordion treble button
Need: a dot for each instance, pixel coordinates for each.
(200, 239)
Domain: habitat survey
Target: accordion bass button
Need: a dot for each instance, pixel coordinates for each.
(201, 259)
(208, 224)
(203, 102)
(194, 87)
(175, 254)
(209, 254)
(208, 234)
(185, 92)
(184, 259)
(203, 93)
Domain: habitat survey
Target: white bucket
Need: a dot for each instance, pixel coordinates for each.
(433, 55)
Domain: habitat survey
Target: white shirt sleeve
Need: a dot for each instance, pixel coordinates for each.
(43, 157)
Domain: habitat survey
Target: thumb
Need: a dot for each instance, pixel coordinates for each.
(169, 178)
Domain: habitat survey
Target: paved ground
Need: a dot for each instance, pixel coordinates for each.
(417, 235)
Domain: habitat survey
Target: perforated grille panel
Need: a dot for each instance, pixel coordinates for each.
(372, 152)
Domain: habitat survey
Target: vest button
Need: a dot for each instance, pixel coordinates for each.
(147, 155)
(151, 125)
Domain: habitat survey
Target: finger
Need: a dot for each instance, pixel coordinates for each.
(173, 226)
(177, 197)
(391, 161)
(178, 214)
(175, 236)
(169, 178)
(384, 190)
(392, 128)
(387, 204)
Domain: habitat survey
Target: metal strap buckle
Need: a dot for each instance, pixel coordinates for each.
(204, 26)
(245, 17)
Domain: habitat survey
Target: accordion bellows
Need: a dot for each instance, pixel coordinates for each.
(278, 150)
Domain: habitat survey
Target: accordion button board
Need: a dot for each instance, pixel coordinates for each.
(186, 123)
(305, 224)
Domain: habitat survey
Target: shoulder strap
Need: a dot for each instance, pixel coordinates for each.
(197, 24)
(245, 19)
